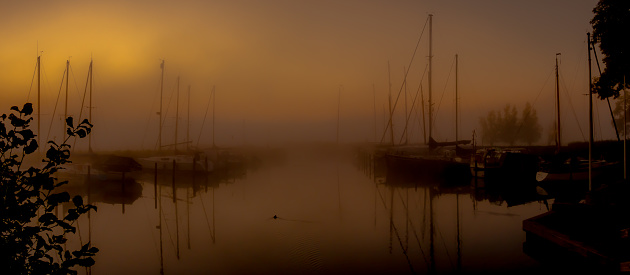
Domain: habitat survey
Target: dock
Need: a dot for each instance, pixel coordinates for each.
(596, 233)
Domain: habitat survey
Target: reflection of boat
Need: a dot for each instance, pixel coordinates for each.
(504, 164)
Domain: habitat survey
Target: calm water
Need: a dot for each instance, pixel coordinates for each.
(332, 218)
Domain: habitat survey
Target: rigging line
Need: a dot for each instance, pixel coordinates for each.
(168, 231)
(87, 81)
(205, 115)
(32, 81)
(56, 103)
(580, 57)
(405, 79)
(146, 125)
(205, 214)
(166, 111)
(413, 229)
(543, 86)
(413, 103)
(76, 86)
(536, 99)
(614, 123)
(450, 260)
(444, 91)
(571, 105)
(149, 221)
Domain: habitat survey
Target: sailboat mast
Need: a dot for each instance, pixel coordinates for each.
(456, 100)
(558, 135)
(430, 74)
(176, 114)
(338, 112)
(160, 122)
(188, 122)
(391, 123)
(39, 105)
(406, 115)
(213, 109)
(65, 114)
(374, 103)
(590, 115)
(90, 108)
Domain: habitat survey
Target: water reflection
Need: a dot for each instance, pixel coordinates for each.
(334, 213)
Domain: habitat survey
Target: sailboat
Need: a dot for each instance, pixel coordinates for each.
(181, 162)
(569, 168)
(105, 167)
(437, 161)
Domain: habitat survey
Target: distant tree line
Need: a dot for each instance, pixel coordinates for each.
(505, 126)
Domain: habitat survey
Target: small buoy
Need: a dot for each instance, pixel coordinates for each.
(275, 217)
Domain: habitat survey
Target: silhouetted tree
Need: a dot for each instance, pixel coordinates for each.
(508, 120)
(505, 126)
(489, 128)
(611, 25)
(530, 130)
(32, 237)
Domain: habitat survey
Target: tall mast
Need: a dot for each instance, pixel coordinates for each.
(430, 74)
(90, 108)
(338, 112)
(160, 122)
(214, 94)
(176, 114)
(456, 100)
(188, 122)
(374, 101)
(406, 115)
(558, 135)
(65, 114)
(39, 105)
(391, 123)
(590, 114)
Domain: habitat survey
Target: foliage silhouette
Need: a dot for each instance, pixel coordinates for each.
(505, 126)
(32, 237)
(611, 22)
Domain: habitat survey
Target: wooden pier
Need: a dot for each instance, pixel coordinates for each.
(596, 235)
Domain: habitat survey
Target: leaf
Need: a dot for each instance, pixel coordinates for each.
(77, 200)
(72, 215)
(15, 108)
(47, 219)
(27, 109)
(69, 122)
(55, 199)
(32, 147)
(81, 133)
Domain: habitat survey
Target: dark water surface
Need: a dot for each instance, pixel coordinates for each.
(332, 218)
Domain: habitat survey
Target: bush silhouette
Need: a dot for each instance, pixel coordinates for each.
(32, 237)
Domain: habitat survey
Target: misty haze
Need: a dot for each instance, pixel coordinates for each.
(303, 137)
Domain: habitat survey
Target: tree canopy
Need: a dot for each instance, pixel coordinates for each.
(611, 25)
(505, 126)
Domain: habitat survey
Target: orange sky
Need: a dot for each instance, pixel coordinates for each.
(278, 65)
